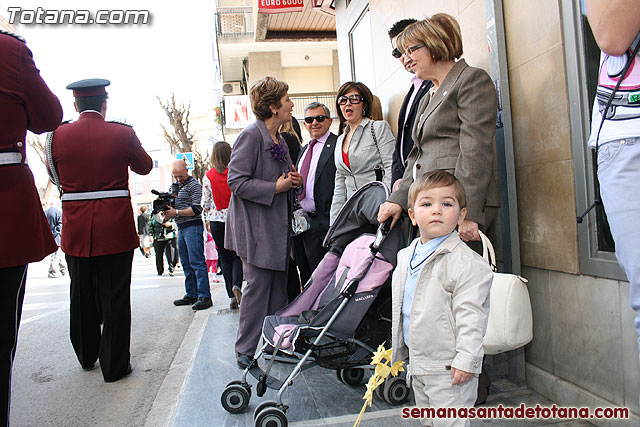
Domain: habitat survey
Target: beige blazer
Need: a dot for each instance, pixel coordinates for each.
(455, 131)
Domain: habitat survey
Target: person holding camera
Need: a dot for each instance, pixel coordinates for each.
(187, 213)
(90, 160)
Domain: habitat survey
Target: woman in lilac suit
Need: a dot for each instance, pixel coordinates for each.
(262, 179)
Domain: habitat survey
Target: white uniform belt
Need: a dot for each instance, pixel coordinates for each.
(93, 195)
(11, 158)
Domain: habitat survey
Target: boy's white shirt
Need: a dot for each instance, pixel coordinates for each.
(449, 311)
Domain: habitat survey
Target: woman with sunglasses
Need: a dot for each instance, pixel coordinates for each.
(363, 144)
(455, 122)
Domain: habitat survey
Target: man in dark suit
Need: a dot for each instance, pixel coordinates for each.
(25, 103)
(318, 170)
(407, 114)
(90, 160)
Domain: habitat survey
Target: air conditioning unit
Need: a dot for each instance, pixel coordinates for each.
(232, 88)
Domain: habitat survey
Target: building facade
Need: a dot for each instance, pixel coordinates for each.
(297, 47)
(584, 351)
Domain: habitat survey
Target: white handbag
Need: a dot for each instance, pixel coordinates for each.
(510, 324)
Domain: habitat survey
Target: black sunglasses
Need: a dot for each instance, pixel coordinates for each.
(396, 53)
(354, 99)
(319, 118)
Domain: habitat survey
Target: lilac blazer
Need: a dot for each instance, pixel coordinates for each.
(257, 227)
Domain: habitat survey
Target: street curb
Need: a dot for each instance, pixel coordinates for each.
(165, 405)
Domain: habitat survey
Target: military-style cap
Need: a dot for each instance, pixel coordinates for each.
(89, 87)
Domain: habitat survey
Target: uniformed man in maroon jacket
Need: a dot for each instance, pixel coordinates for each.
(25, 103)
(90, 159)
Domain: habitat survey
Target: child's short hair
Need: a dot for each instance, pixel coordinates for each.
(436, 179)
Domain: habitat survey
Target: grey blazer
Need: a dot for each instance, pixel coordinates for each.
(363, 156)
(257, 227)
(455, 131)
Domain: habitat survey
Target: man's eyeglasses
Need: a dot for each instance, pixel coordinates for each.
(408, 51)
(396, 53)
(320, 119)
(354, 99)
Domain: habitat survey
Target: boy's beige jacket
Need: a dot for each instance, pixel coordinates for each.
(449, 311)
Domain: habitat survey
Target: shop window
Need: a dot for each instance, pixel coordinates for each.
(362, 51)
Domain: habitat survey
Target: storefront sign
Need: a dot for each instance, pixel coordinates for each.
(280, 6)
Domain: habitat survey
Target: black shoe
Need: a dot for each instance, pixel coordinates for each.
(243, 360)
(202, 304)
(88, 367)
(185, 300)
(126, 374)
(171, 273)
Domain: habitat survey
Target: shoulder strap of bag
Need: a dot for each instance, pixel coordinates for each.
(51, 167)
(380, 169)
(375, 140)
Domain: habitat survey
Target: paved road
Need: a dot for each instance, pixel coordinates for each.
(50, 388)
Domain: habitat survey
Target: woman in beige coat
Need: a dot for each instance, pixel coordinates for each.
(455, 125)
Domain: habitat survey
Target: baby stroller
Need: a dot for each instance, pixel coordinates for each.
(341, 317)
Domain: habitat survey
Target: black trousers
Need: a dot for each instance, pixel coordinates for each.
(174, 251)
(308, 250)
(12, 281)
(230, 263)
(101, 291)
(160, 247)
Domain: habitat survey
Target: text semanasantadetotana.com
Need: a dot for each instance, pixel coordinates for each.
(518, 412)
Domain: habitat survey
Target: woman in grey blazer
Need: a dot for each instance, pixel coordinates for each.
(455, 124)
(357, 152)
(262, 178)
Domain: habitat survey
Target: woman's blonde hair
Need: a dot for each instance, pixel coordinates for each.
(439, 33)
(288, 128)
(265, 93)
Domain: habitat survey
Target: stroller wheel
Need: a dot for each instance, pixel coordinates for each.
(339, 375)
(260, 407)
(235, 398)
(352, 376)
(395, 391)
(245, 385)
(271, 417)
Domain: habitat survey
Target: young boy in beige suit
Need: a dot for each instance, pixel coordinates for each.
(440, 300)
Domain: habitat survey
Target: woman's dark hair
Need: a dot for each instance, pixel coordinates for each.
(264, 93)
(365, 94)
(221, 156)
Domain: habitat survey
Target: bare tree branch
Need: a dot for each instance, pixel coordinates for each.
(180, 138)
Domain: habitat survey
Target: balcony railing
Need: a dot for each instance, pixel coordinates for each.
(234, 23)
(301, 100)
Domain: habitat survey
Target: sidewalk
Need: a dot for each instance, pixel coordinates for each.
(316, 397)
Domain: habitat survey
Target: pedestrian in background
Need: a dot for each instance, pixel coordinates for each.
(262, 179)
(162, 233)
(26, 103)
(90, 159)
(143, 232)
(215, 201)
